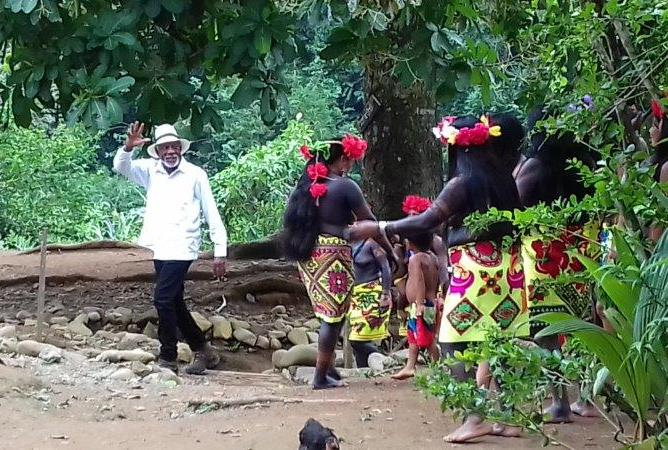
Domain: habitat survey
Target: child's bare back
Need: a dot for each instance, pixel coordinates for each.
(422, 281)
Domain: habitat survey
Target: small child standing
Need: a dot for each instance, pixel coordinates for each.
(421, 290)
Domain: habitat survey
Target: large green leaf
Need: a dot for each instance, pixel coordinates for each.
(621, 293)
(262, 41)
(114, 111)
(625, 255)
(120, 85)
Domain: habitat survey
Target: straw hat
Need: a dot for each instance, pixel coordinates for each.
(163, 134)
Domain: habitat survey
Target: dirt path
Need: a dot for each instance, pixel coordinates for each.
(376, 415)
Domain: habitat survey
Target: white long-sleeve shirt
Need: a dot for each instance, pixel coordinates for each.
(175, 204)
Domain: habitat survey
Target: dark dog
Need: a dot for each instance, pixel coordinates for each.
(316, 437)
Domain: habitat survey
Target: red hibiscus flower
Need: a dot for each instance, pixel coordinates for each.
(551, 259)
(657, 110)
(318, 190)
(455, 257)
(338, 282)
(414, 205)
(463, 137)
(470, 137)
(353, 147)
(316, 171)
(306, 152)
(485, 249)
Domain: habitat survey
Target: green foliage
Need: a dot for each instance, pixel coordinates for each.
(254, 188)
(523, 373)
(49, 181)
(635, 353)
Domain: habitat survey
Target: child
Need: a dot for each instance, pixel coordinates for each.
(421, 290)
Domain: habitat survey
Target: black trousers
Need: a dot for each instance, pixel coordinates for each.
(172, 311)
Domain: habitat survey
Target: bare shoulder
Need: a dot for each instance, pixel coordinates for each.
(663, 175)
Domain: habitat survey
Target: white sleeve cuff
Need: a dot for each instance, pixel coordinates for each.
(220, 251)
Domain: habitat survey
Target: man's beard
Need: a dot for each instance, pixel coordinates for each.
(173, 165)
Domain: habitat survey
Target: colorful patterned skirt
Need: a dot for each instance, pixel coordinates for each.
(421, 329)
(486, 290)
(328, 277)
(547, 260)
(369, 319)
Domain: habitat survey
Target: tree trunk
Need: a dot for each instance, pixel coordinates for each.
(403, 157)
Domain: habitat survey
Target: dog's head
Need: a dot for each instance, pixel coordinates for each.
(314, 436)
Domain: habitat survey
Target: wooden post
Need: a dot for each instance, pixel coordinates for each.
(42, 287)
(347, 349)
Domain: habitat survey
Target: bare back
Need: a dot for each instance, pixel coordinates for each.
(422, 281)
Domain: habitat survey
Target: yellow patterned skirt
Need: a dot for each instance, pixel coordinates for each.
(328, 278)
(546, 260)
(486, 290)
(369, 319)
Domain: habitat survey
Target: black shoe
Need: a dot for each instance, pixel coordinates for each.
(171, 365)
(207, 358)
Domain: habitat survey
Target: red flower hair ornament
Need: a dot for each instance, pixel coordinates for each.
(414, 205)
(353, 148)
(317, 171)
(465, 137)
(657, 109)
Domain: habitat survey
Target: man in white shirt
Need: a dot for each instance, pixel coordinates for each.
(177, 195)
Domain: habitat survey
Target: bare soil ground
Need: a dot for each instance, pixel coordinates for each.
(74, 404)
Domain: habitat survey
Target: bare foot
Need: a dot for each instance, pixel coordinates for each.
(473, 428)
(584, 409)
(328, 383)
(499, 429)
(557, 414)
(404, 374)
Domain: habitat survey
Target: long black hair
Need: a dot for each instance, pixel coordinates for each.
(555, 151)
(511, 141)
(301, 221)
(485, 170)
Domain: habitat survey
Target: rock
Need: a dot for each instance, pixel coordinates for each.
(126, 355)
(23, 315)
(78, 326)
(55, 308)
(364, 372)
(60, 320)
(150, 315)
(275, 298)
(201, 321)
(240, 324)
(401, 355)
(280, 309)
(8, 331)
(299, 355)
(222, 328)
(165, 378)
(119, 316)
(150, 330)
(304, 375)
(244, 336)
(123, 374)
(140, 369)
(313, 337)
(94, 316)
(30, 323)
(108, 335)
(313, 324)
(250, 298)
(132, 340)
(379, 362)
(51, 355)
(93, 309)
(275, 344)
(259, 330)
(33, 348)
(9, 345)
(281, 325)
(184, 353)
(278, 334)
(133, 328)
(263, 342)
(298, 336)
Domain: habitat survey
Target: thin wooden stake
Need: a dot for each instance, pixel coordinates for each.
(42, 286)
(347, 348)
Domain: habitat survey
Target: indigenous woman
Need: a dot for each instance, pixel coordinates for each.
(320, 208)
(543, 178)
(486, 287)
(371, 300)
